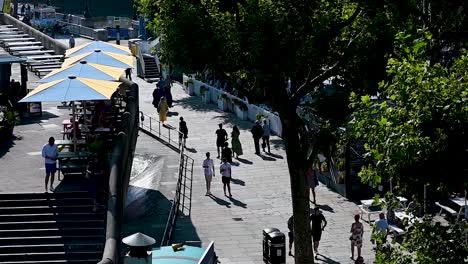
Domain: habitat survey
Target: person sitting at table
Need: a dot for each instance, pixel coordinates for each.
(94, 171)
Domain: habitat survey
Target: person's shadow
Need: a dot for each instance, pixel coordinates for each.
(220, 201)
(192, 150)
(326, 207)
(274, 155)
(245, 161)
(237, 181)
(326, 259)
(266, 158)
(237, 202)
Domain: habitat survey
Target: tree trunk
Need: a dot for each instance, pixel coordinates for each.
(297, 158)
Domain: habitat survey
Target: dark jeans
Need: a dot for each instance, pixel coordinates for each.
(257, 145)
(266, 142)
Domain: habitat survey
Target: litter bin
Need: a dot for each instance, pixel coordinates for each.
(266, 239)
(277, 248)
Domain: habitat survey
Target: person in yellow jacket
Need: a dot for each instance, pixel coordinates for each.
(163, 108)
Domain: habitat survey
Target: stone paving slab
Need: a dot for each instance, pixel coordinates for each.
(261, 190)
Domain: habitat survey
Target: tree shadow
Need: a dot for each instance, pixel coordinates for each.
(237, 202)
(245, 161)
(326, 207)
(266, 158)
(326, 259)
(274, 155)
(170, 113)
(220, 201)
(238, 182)
(5, 147)
(37, 118)
(277, 143)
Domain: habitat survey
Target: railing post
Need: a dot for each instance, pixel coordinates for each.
(169, 135)
(150, 123)
(159, 129)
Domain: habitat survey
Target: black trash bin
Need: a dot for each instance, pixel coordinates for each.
(266, 239)
(277, 248)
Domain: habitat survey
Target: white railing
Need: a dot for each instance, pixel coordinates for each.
(253, 110)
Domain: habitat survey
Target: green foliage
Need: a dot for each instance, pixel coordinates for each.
(414, 129)
(204, 89)
(242, 106)
(427, 243)
(223, 96)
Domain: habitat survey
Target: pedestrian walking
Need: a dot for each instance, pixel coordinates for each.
(291, 233)
(235, 142)
(183, 131)
(257, 133)
(266, 135)
(163, 109)
(312, 181)
(357, 231)
(209, 170)
(50, 154)
(128, 73)
(71, 41)
(225, 171)
(167, 90)
(23, 9)
(226, 153)
(318, 225)
(221, 138)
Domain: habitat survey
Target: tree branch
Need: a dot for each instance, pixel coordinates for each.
(315, 82)
(350, 20)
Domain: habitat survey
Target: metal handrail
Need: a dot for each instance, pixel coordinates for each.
(163, 131)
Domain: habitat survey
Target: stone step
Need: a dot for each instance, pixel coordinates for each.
(62, 255)
(50, 247)
(44, 201)
(70, 261)
(51, 224)
(66, 231)
(42, 195)
(51, 216)
(60, 239)
(45, 209)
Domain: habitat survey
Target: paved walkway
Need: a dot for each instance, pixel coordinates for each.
(261, 190)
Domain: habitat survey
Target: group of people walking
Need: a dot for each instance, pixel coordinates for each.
(162, 98)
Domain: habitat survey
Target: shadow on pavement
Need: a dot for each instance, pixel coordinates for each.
(237, 181)
(326, 207)
(220, 201)
(5, 147)
(267, 158)
(274, 155)
(147, 212)
(37, 119)
(277, 143)
(192, 150)
(238, 203)
(328, 260)
(245, 161)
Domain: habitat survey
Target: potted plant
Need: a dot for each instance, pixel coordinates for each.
(10, 119)
(260, 116)
(205, 93)
(189, 87)
(222, 102)
(241, 109)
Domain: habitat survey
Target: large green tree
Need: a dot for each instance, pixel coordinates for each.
(266, 42)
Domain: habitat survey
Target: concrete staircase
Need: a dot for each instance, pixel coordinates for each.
(50, 228)
(151, 69)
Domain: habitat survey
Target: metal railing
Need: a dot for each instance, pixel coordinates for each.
(182, 202)
(78, 29)
(165, 132)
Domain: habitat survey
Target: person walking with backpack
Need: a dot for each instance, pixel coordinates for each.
(317, 219)
(266, 135)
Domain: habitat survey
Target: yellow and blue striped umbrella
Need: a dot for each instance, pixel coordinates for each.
(85, 70)
(100, 45)
(103, 58)
(72, 89)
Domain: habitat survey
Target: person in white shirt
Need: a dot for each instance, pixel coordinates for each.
(50, 153)
(225, 170)
(208, 168)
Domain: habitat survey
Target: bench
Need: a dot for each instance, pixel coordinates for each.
(46, 66)
(447, 209)
(71, 169)
(396, 230)
(364, 210)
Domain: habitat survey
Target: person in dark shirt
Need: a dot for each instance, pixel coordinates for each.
(184, 130)
(221, 137)
(226, 153)
(317, 219)
(257, 133)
